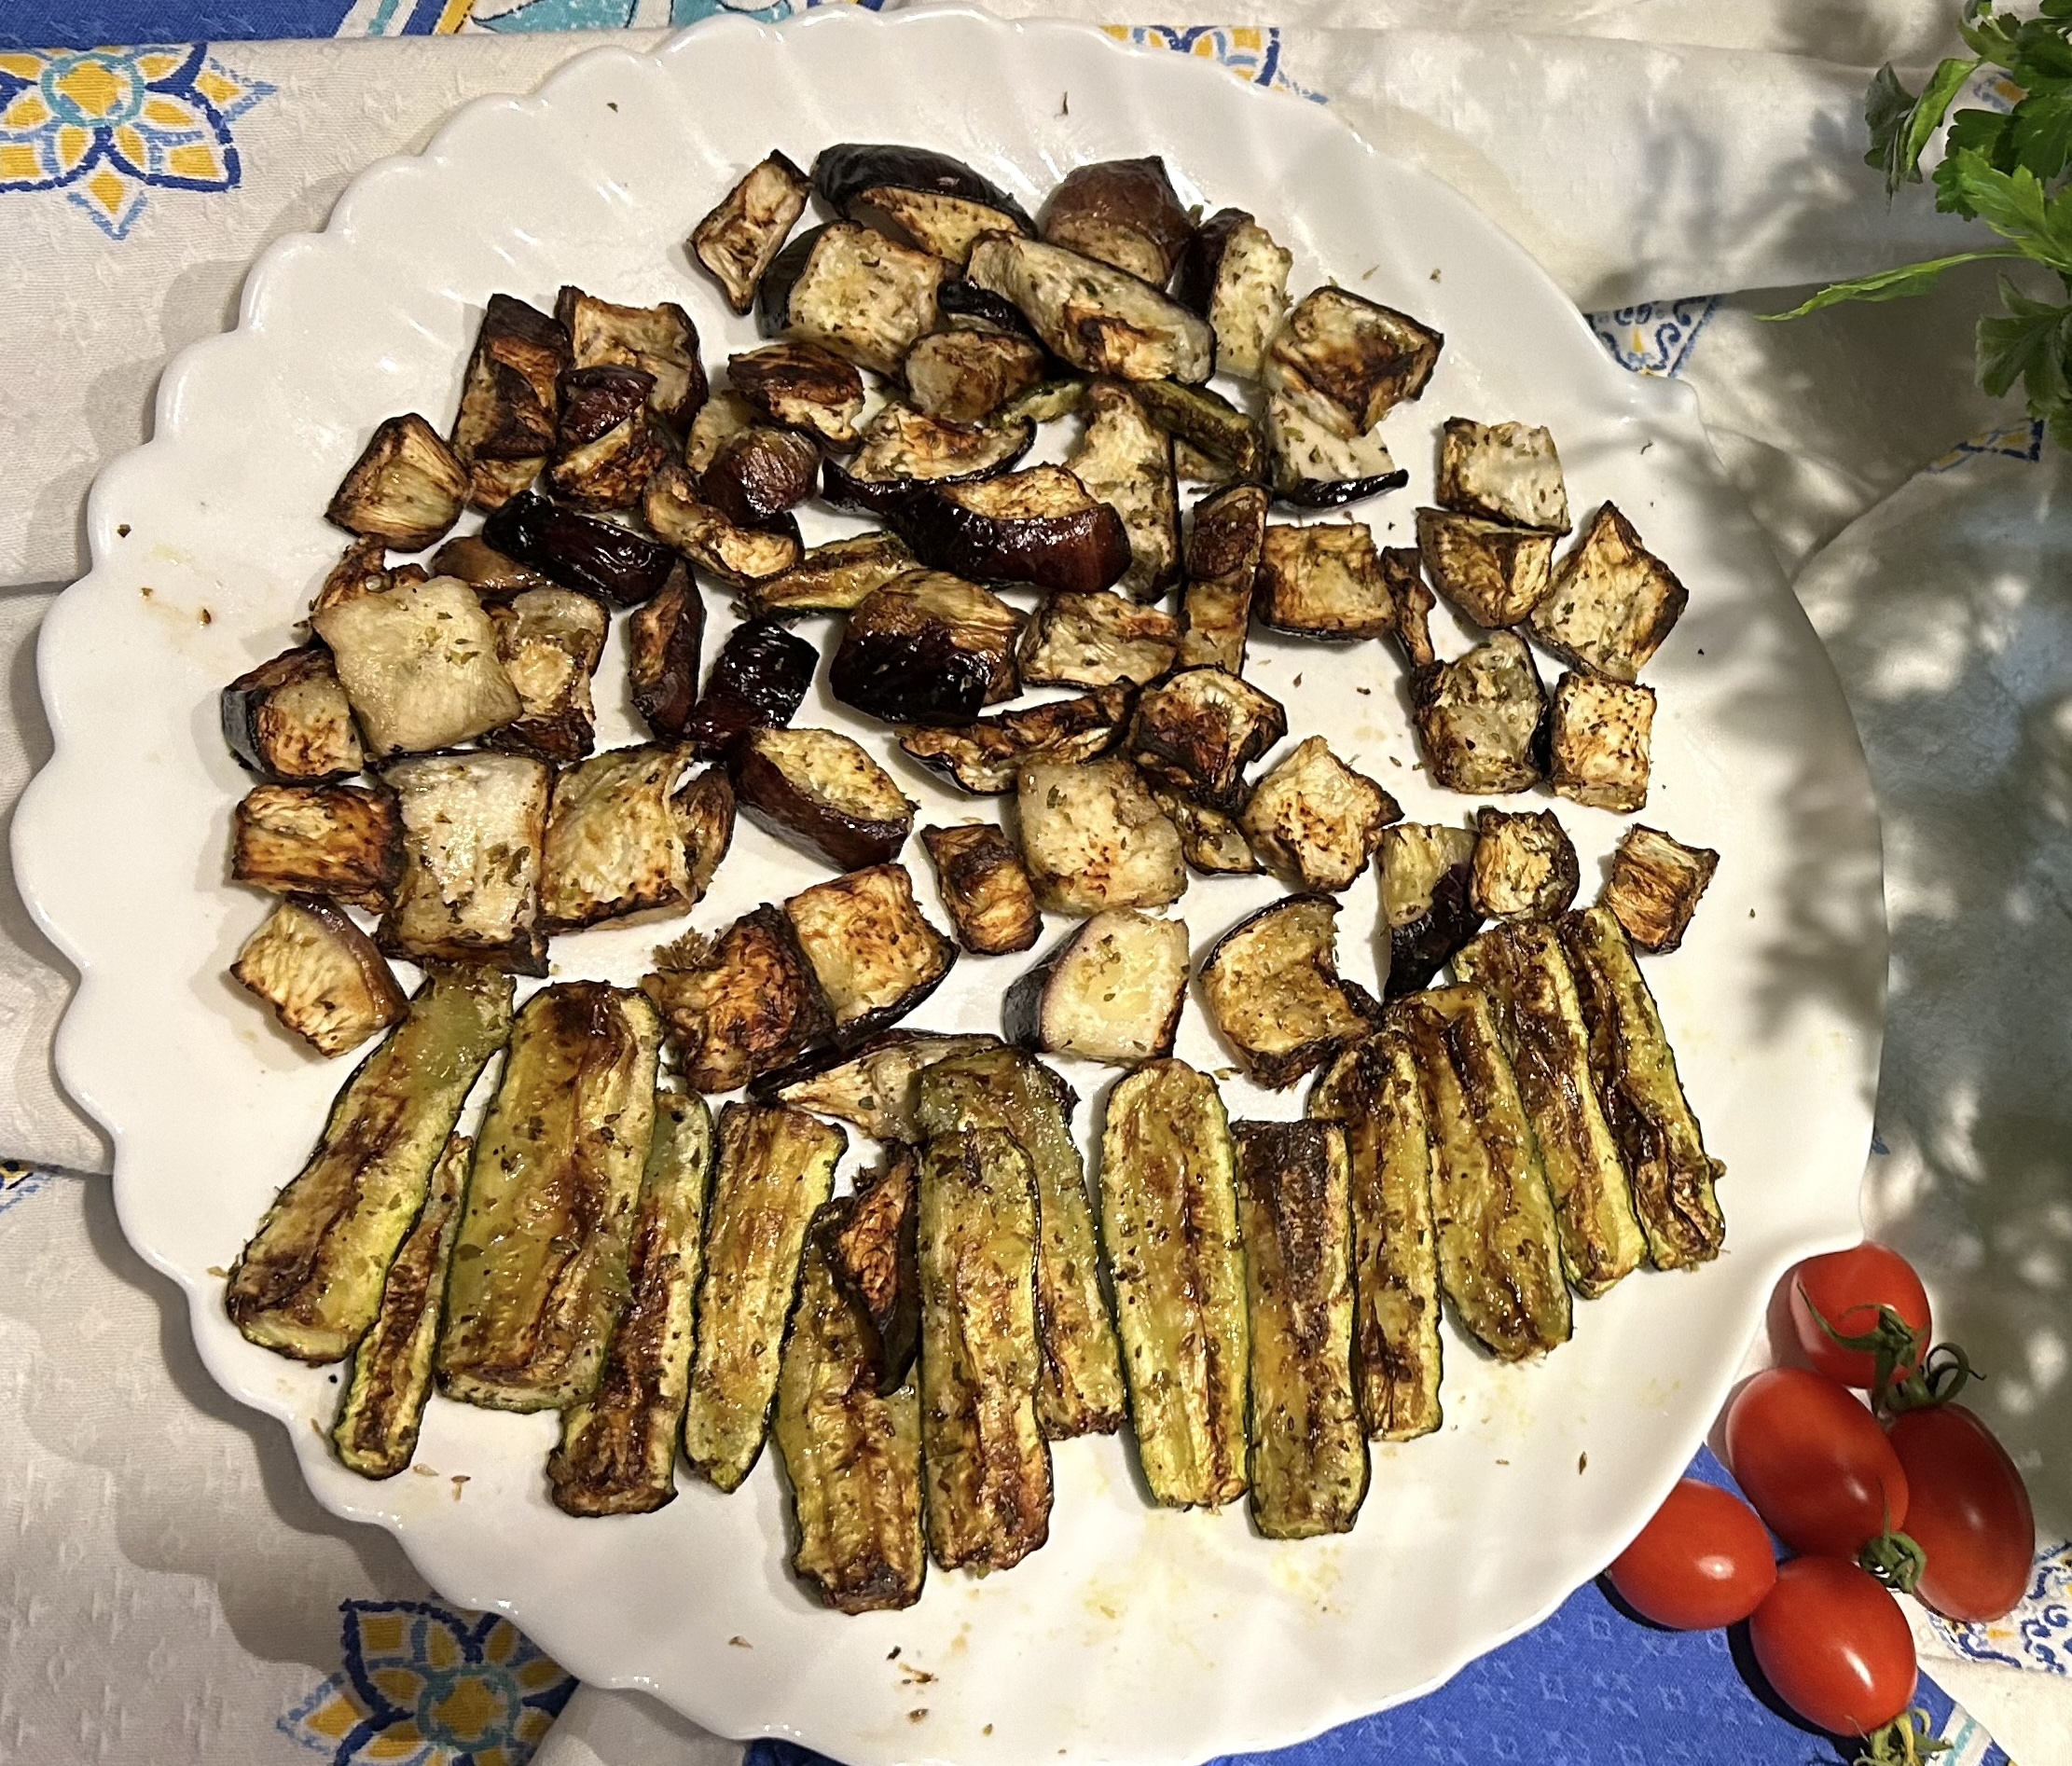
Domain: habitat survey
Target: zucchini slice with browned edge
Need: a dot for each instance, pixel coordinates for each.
(1294, 1207)
(540, 1269)
(618, 1452)
(1372, 1092)
(1500, 1256)
(376, 1427)
(984, 1461)
(309, 1283)
(852, 1458)
(776, 1170)
(1080, 1390)
(1169, 1222)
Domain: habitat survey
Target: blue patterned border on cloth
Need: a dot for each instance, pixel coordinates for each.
(1656, 337)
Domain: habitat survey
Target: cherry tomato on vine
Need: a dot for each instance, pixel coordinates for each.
(1852, 1291)
(1968, 1509)
(1815, 1463)
(1835, 1645)
(1702, 1562)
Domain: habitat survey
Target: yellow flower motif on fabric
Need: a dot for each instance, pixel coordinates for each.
(106, 126)
(19, 1182)
(423, 1686)
(1252, 51)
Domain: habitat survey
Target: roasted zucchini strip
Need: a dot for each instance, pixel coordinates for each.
(376, 1431)
(852, 1458)
(540, 1270)
(1539, 1012)
(985, 1463)
(1308, 1468)
(309, 1282)
(1500, 1258)
(1372, 1091)
(1635, 1070)
(618, 1452)
(776, 1171)
(1080, 1389)
(1168, 1221)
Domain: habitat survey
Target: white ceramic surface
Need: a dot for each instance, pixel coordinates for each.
(1135, 1635)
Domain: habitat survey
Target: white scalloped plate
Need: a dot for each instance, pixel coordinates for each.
(1135, 1635)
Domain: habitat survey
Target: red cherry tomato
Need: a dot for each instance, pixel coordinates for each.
(1968, 1509)
(1847, 1288)
(1815, 1463)
(1834, 1644)
(1702, 1562)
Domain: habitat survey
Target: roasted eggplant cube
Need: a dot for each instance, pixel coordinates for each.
(1494, 574)
(964, 376)
(1199, 729)
(549, 641)
(664, 641)
(1478, 718)
(1093, 838)
(875, 952)
(854, 175)
(754, 476)
(1096, 641)
(876, 1086)
(1428, 900)
(1124, 211)
(758, 682)
(1655, 886)
(579, 551)
(322, 976)
(1323, 582)
(1599, 740)
(833, 578)
(1210, 424)
(820, 791)
(852, 291)
(740, 239)
(1526, 866)
(607, 450)
(903, 452)
(1351, 360)
(419, 663)
(1313, 466)
(659, 340)
(1223, 550)
(485, 569)
(1041, 526)
(1410, 603)
(926, 648)
(289, 720)
(1215, 844)
(984, 757)
(740, 557)
(363, 569)
(1112, 991)
(1126, 462)
(744, 1004)
(1272, 989)
(474, 836)
(1317, 821)
(618, 842)
(929, 220)
(724, 416)
(801, 386)
(868, 1241)
(985, 887)
(1612, 603)
(406, 487)
(510, 400)
(1098, 319)
(1236, 278)
(342, 841)
(1507, 473)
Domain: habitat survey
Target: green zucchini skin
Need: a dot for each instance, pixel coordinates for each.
(1532, 992)
(1308, 1466)
(618, 1452)
(309, 1283)
(1643, 1097)
(1500, 1256)
(985, 1463)
(1168, 1221)
(852, 1456)
(539, 1273)
(376, 1431)
(1372, 1092)
(776, 1171)
(1080, 1390)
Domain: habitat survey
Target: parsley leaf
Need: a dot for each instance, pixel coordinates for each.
(1887, 285)
(1903, 124)
(2027, 342)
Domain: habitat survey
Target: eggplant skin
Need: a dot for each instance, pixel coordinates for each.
(343, 841)
(600, 558)
(868, 1241)
(485, 569)
(510, 399)
(801, 386)
(324, 977)
(1125, 213)
(1215, 844)
(606, 451)
(985, 755)
(759, 473)
(665, 639)
(740, 557)
(926, 648)
(1411, 602)
(1041, 526)
(876, 954)
(740, 239)
(985, 887)
(846, 171)
(1272, 986)
(758, 682)
(289, 720)
(739, 1006)
(904, 452)
(822, 791)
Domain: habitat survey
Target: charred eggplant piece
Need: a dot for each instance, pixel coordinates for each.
(617, 1451)
(338, 840)
(1507, 473)
(1655, 886)
(549, 641)
(659, 340)
(1314, 467)
(854, 170)
(1236, 278)
(904, 454)
(1428, 906)
(510, 401)
(964, 376)
(578, 551)
(1411, 603)
(868, 1241)
(801, 386)
(1212, 843)
(984, 756)
(619, 841)
(758, 682)
(1125, 214)
(1191, 466)
(485, 569)
(665, 639)
(322, 976)
(929, 220)
(363, 570)
(1093, 838)
(876, 954)
(725, 416)
(833, 578)
(759, 473)
(819, 791)
(740, 557)
(289, 720)
(967, 306)
(1112, 991)
(1096, 641)
(740, 239)
(985, 887)
(1126, 462)
(852, 291)
(406, 487)
(1209, 423)
(926, 648)
(606, 451)
(474, 836)
(1223, 550)
(309, 1283)
(1272, 989)
(1494, 574)
(1098, 319)
(1349, 361)
(1600, 742)
(1315, 820)
(876, 1086)
(1199, 729)
(1612, 604)
(1478, 718)
(1323, 582)
(776, 1171)
(741, 1007)
(1169, 1222)
(1524, 867)
(419, 663)
(1041, 527)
